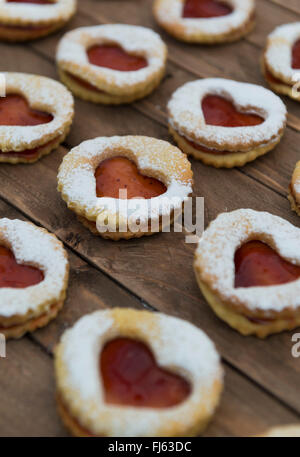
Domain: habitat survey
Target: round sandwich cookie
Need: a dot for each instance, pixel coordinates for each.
(23, 20)
(125, 187)
(206, 21)
(111, 64)
(124, 372)
(281, 60)
(35, 117)
(247, 265)
(34, 273)
(225, 123)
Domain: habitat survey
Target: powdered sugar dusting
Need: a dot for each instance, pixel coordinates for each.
(278, 53)
(186, 115)
(174, 342)
(215, 258)
(72, 56)
(41, 93)
(153, 157)
(30, 13)
(170, 12)
(34, 246)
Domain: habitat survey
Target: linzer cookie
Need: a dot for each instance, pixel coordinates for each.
(35, 117)
(225, 123)
(34, 274)
(281, 60)
(205, 21)
(248, 268)
(22, 20)
(124, 372)
(125, 187)
(111, 64)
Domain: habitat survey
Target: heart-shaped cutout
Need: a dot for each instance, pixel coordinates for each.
(221, 112)
(14, 110)
(296, 55)
(118, 173)
(132, 377)
(15, 275)
(257, 264)
(115, 58)
(205, 8)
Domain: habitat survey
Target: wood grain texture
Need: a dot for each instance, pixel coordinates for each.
(28, 408)
(292, 5)
(262, 377)
(184, 66)
(171, 286)
(27, 385)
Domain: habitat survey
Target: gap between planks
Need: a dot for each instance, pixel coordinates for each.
(227, 365)
(87, 260)
(84, 258)
(283, 4)
(292, 121)
(149, 110)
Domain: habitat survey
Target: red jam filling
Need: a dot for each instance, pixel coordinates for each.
(14, 110)
(116, 58)
(272, 79)
(221, 112)
(257, 264)
(121, 173)
(207, 150)
(132, 377)
(296, 55)
(15, 275)
(27, 153)
(205, 8)
(84, 83)
(25, 28)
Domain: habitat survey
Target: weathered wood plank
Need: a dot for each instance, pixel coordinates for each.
(262, 169)
(171, 286)
(269, 363)
(204, 61)
(269, 15)
(245, 412)
(292, 5)
(155, 107)
(88, 291)
(168, 252)
(28, 408)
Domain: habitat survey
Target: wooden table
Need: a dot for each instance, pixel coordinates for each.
(262, 378)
